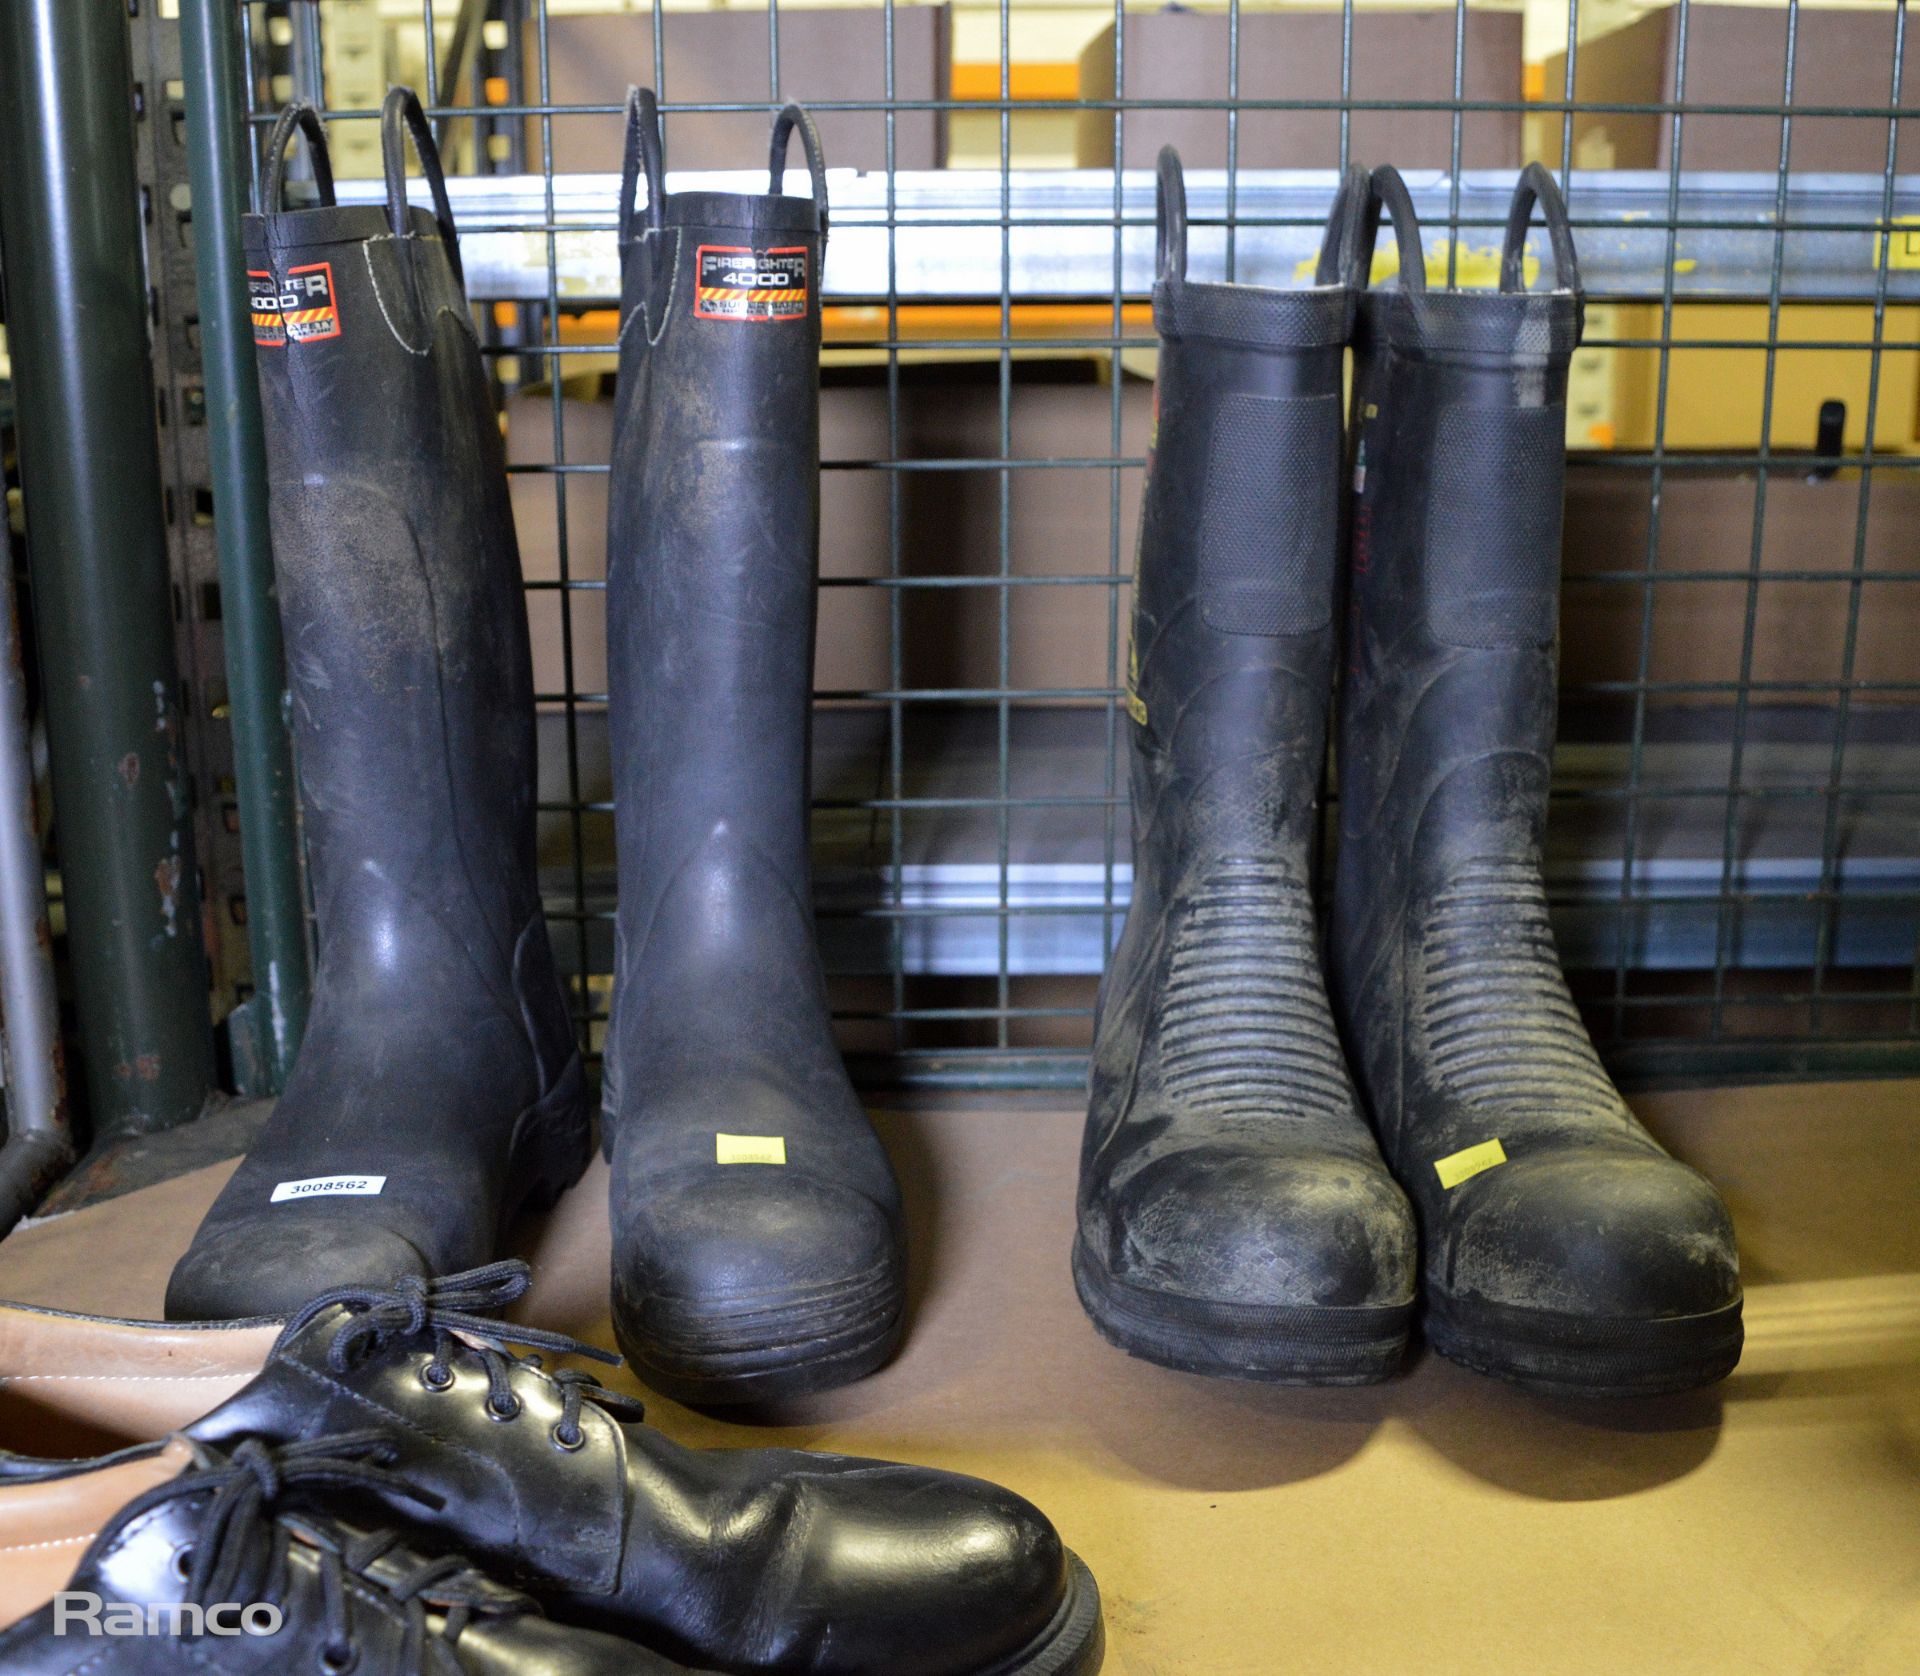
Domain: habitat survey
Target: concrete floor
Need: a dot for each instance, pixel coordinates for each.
(1437, 1524)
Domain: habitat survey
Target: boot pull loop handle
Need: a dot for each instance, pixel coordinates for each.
(1387, 191)
(301, 115)
(643, 155)
(794, 117)
(1537, 186)
(1169, 216)
(401, 116)
(1340, 244)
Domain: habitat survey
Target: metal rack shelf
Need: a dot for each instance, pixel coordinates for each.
(970, 234)
(1061, 890)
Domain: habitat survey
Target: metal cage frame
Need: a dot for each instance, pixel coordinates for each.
(1737, 963)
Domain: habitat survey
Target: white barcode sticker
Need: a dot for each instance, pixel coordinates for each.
(320, 1187)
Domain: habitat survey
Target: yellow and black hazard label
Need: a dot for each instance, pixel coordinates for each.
(301, 309)
(737, 283)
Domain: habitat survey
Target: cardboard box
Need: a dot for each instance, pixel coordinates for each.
(1397, 55)
(1716, 397)
(825, 53)
(1736, 55)
(539, 502)
(1622, 67)
(1706, 532)
(1061, 524)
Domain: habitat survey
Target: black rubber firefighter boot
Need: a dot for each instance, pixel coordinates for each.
(1562, 1247)
(1236, 1217)
(757, 1248)
(439, 1089)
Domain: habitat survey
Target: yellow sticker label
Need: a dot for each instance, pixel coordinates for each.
(1903, 252)
(1136, 705)
(1461, 1166)
(749, 1149)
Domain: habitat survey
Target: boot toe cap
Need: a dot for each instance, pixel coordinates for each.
(271, 1266)
(732, 1281)
(1593, 1233)
(1275, 1231)
(751, 1234)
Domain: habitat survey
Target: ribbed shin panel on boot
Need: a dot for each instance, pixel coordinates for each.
(1235, 1215)
(757, 1243)
(1561, 1245)
(439, 1087)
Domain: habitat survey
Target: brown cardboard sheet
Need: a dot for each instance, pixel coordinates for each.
(1439, 1524)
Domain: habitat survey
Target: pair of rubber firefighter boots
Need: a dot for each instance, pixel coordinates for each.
(1238, 1212)
(410, 1494)
(756, 1219)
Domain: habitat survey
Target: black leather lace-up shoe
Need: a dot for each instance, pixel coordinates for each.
(195, 1560)
(764, 1562)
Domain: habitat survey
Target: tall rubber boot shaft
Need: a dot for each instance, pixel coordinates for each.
(757, 1243)
(1562, 1246)
(1235, 1215)
(439, 1087)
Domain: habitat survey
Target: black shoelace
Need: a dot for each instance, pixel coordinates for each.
(456, 1313)
(240, 1547)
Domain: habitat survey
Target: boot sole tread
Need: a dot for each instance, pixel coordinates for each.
(1563, 1354)
(715, 1361)
(1074, 1643)
(1280, 1344)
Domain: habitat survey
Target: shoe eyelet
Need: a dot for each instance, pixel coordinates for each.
(568, 1445)
(508, 1410)
(437, 1376)
(337, 1661)
(183, 1563)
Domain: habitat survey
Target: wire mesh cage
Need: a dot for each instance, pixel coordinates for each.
(1734, 852)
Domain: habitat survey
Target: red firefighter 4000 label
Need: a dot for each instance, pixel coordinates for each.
(299, 311)
(741, 284)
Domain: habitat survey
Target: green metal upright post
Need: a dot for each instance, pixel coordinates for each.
(249, 609)
(96, 535)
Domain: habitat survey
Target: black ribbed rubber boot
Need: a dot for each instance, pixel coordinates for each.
(1235, 1215)
(1563, 1248)
(757, 1248)
(439, 1089)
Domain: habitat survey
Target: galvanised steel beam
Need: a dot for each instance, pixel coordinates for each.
(947, 237)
